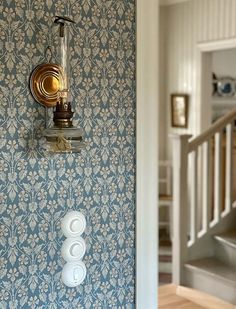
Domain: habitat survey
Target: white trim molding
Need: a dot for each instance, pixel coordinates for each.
(204, 67)
(217, 45)
(147, 16)
(171, 2)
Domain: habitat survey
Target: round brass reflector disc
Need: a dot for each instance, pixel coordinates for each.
(44, 84)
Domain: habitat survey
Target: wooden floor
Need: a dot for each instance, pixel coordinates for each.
(178, 297)
(168, 299)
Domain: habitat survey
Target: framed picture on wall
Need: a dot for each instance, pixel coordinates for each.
(179, 110)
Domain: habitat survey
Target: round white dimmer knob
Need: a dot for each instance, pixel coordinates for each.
(73, 224)
(73, 249)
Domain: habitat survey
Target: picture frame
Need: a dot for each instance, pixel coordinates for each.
(179, 110)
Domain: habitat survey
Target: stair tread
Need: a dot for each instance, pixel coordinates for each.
(213, 267)
(165, 258)
(228, 238)
(165, 197)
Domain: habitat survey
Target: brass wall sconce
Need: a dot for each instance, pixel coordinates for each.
(49, 85)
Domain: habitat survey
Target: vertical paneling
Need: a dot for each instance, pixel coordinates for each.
(213, 23)
(190, 23)
(232, 19)
(162, 83)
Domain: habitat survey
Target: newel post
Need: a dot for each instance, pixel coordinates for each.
(180, 206)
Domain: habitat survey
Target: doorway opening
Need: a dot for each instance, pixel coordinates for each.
(216, 75)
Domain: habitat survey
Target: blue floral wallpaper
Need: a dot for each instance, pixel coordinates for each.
(37, 189)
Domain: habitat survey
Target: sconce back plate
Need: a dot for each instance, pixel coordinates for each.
(44, 84)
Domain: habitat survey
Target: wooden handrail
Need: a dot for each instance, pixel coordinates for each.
(216, 127)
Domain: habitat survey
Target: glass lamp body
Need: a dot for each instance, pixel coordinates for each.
(63, 54)
(63, 136)
(64, 139)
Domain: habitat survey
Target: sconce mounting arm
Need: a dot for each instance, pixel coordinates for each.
(60, 20)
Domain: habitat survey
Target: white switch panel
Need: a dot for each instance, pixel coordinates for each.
(73, 248)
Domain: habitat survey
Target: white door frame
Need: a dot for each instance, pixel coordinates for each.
(147, 16)
(205, 76)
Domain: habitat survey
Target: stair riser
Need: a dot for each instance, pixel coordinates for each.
(165, 267)
(211, 285)
(226, 254)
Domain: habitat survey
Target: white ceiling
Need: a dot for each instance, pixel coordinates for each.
(171, 2)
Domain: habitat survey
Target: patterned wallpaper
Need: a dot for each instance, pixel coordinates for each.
(37, 189)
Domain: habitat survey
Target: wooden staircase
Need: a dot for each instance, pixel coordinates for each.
(218, 271)
(204, 212)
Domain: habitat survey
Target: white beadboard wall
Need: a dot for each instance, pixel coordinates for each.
(162, 85)
(186, 25)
